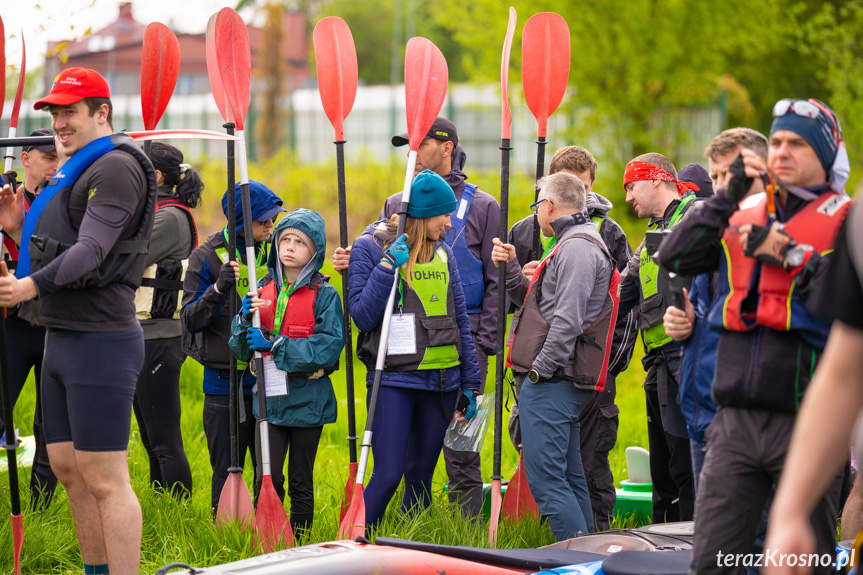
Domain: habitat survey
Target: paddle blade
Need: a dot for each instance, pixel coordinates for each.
(349, 489)
(336, 59)
(518, 501)
(494, 518)
(426, 78)
(353, 524)
(545, 55)
(506, 116)
(2, 65)
(234, 57)
(17, 541)
(235, 503)
(271, 521)
(160, 67)
(22, 72)
(179, 134)
(213, 72)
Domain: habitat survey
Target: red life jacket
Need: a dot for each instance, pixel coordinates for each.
(817, 224)
(587, 367)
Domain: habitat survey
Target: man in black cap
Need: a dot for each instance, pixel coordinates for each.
(475, 223)
(25, 343)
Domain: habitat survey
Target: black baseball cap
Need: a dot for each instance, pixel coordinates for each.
(442, 129)
(41, 132)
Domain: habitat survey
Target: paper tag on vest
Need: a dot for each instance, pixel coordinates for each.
(402, 338)
(277, 380)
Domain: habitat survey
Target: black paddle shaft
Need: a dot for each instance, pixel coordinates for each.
(540, 170)
(501, 307)
(346, 306)
(233, 392)
(11, 444)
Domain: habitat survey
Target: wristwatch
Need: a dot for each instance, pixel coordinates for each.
(533, 376)
(795, 255)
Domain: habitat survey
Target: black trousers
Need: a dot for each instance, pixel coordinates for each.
(157, 409)
(218, 432)
(25, 348)
(303, 444)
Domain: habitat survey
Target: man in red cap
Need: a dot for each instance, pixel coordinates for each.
(83, 248)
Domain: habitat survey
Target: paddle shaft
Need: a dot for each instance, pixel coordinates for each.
(501, 307)
(10, 151)
(233, 392)
(540, 169)
(346, 306)
(385, 327)
(11, 444)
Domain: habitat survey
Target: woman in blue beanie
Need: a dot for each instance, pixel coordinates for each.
(430, 353)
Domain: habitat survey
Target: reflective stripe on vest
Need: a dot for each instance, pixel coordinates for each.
(817, 224)
(653, 281)
(470, 269)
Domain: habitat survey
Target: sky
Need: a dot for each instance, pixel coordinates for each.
(44, 20)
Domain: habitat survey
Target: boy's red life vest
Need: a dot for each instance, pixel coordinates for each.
(817, 224)
(588, 365)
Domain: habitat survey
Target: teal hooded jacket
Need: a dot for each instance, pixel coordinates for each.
(310, 402)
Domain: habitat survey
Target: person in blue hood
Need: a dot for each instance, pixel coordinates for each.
(431, 359)
(213, 275)
(301, 337)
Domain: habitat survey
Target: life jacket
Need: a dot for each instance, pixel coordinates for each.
(299, 320)
(655, 289)
(430, 299)
(588, 365)
(51, 232)
(470, 269)
(161, 293)
(773, 304)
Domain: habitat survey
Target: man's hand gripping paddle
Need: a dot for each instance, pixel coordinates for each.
(336, 59)
(545, 55)
(16, 520)
(235, 67)
(235, 503)
(426, 78)
(505, 148)
(160, 67)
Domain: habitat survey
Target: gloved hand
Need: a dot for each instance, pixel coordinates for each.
(397, 254)
(259, 339)
(467, 403)
(768, 245)
(227, 278)
(739, 184)
(247, 311)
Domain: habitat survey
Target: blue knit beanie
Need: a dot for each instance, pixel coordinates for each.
(430, 196)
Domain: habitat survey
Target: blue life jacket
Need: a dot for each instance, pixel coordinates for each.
(470, 269)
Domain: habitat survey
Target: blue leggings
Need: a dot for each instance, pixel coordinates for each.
(407, 439)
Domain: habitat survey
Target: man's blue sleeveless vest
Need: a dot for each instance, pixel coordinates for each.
(470, 268)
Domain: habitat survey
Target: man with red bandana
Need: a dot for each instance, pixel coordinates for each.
(654, 191)
(772, 252)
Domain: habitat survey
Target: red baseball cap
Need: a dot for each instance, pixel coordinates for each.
(73, 85)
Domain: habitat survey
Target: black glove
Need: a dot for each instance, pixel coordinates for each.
(739, 184)
(226, 280)
(768, 245)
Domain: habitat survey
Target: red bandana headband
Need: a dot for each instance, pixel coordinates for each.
(637, 171)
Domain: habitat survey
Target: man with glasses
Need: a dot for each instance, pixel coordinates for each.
(772, 251)
(654, 191)
(212, 277)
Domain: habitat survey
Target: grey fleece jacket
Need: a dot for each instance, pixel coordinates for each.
(573, 291)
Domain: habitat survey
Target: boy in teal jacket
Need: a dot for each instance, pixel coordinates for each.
(301, 337)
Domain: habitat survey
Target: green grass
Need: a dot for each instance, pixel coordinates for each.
(185, 532)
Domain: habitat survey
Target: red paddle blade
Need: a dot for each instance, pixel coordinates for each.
(213, 72)
(353, 524)
(349, 489)
(506, 116)
(494, 518)
(160, 67)
(518, 501)
(336, 59)
(235, 503)
(17, 541)
(16, 107)
(235, 62)
(426, 78)
(544, 65)
(2, 66)
(271, 521)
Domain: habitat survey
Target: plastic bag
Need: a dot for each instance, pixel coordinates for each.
(469, 435)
